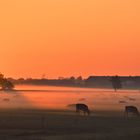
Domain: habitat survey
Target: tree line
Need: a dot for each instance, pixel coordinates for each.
(8, 84)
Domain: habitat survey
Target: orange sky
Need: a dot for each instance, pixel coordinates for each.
(69, 37)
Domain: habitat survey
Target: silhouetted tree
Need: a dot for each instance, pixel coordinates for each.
(5, 84)
(79, 80)
(72, 78)
(116, 82)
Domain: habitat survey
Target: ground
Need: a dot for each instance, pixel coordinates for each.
(66, 125)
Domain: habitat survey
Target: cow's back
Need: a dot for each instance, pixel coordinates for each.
(81, 107)
(131, 109)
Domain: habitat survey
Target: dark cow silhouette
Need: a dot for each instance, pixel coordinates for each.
(131, 109)
(83, 108)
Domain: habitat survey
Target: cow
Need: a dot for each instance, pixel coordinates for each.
(131, 109)
(82, 107)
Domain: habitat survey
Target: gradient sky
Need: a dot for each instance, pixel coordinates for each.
(69, 37)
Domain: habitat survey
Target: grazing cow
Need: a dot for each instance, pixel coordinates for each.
(83, 108)
(131, 109)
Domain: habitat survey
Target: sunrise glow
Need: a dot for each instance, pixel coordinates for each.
(69, 37)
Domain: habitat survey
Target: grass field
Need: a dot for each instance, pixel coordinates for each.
(66, 125)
